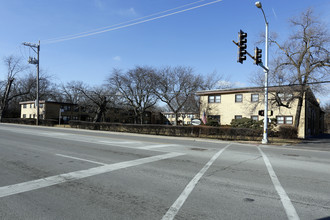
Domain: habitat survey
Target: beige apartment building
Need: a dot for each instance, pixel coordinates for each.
(69, 111)
(52, 110)
(228, 104)
(184, 118)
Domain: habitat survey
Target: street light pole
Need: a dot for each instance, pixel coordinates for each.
(266, 70)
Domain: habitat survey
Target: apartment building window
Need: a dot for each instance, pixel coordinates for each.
(238, 98)
(289, 96)
(211, 99)
(24, 105)
(214, 98)
(30, 105)
(238, 116)
(191, 116)
(66, 107)
(285, 96)
(255, 117)
(24, 115)
(217, 99)
(66, 118)
(254, 97)
(30, 115)
(41, 105)
(284, 120)
(214, 118)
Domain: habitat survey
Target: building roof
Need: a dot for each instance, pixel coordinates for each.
(45, 102)
(243, 90)
(180, 112)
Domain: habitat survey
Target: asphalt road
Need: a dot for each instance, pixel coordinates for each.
(54, 173)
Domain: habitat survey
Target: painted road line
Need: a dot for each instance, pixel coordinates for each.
(286, 202)
(77, 158)
(52, 134)
(37, 133)
(156, 146)
(82, 138)
(174, 209)
(118, 142)
(76, 175)
(65, 136)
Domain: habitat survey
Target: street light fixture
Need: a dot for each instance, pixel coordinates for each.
(266, 70)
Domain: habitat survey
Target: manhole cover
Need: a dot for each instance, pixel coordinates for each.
(291, 155)
(248, 200)
(198, 149)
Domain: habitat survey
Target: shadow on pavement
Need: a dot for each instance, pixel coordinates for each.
(320, 142)
(324, 138)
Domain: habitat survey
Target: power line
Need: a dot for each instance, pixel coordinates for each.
(125, 22)
(310, 83)
(89, 33)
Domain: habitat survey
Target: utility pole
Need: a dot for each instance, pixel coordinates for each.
(35, 62)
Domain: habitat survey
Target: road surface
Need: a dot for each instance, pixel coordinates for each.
(56, 173)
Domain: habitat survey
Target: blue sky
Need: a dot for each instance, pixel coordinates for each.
(200, 38)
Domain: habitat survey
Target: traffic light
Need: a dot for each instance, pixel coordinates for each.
(261, 112)
(257, 56)
(242, 46)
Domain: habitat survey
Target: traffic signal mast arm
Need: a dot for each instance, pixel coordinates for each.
(252, 57)
(262, 65)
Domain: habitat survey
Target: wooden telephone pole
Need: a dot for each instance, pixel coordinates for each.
(35, 62)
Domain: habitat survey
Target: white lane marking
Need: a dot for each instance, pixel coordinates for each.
(286, 202)
(77, 158)
(148, 147)
(118, 142)
(156, 146)
(124, 144)
(54, 134)
(25, 131)
(76, 175)
(173, 210)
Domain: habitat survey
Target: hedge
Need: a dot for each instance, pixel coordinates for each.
(288, 132)
(30, 121)
(225, 133)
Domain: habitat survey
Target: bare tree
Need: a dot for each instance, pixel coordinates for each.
(214, 80)
(71, 92)
(209, 81)
(48, 90)
(14, 67)
(136, 89)
(99, 96)
(306, 55)
(302, 59)
(174, 86)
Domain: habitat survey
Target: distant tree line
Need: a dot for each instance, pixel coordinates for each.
(140, 89)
